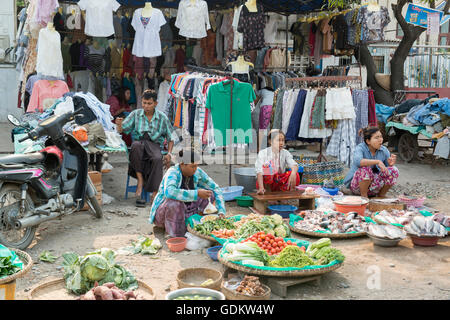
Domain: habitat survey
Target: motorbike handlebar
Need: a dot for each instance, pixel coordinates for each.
(23, 139)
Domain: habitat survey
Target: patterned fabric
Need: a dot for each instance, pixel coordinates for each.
(159, 128)
(145, 21)
(342, 143)
(170, 189)
(252, 24)
(372, 109)
(279, 181)
(277, 117)
(373, 23)
(172, 215)
(317, 117)
(379, 180)
(264, 116)
(361, 103)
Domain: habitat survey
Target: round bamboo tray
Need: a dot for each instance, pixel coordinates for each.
(233, 295)
(28, 263)
(327, 235)
(55, 289)
(292, 273)
(198, 234)
(197, 276)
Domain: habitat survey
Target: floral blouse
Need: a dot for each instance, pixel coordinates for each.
(252, 25)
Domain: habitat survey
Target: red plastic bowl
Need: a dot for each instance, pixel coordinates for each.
(360, 209)
(176, 244)
(424, 241)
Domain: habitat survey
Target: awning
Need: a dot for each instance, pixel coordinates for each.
(280, 6)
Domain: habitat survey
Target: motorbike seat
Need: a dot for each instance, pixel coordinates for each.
(29, 158)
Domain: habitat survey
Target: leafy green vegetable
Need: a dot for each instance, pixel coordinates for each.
(146, 245)
(46, 256)
(327, 254)
(80, 273)
(280, 231)
(7, 267)
(246, 251)
(249, 228)
(208, 226)
(323, 242)
(291, 257)
(277, 219)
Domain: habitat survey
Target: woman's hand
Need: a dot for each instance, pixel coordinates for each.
(119, 124)
(204, 194)
(292, 181)
(261, 190)
(392, 160)
(382, 167)
(167, 159)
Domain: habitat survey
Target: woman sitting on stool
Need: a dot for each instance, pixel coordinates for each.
(184, 191)
(372, 171)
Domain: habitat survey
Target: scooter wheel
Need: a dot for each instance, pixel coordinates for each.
(95, 207)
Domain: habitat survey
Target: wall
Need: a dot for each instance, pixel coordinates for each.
(8, 73)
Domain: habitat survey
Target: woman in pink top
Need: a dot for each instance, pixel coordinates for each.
(119, 107)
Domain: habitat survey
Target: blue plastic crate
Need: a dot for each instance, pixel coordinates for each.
(231, 193)
(282, 209)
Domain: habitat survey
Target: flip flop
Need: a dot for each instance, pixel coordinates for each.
(140, 203)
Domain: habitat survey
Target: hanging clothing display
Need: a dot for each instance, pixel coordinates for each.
(193, 19)
(95, 59)
(99, 16)
(238, 37)
(373, 23)
(361, 101)
(217, 102)
(343, 141)
(43, 11)
(252, 25)
(147, 42)
(49, 56)
(339, 104)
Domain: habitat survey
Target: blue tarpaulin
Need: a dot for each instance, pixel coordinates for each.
(280, 6)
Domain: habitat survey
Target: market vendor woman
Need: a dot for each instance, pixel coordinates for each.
(271, 165)
(372, 172)
(184, 191)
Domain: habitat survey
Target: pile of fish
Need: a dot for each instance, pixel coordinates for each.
(442, 219)
(386, 231)
(395, 216)
(425, 226)
(334, 222)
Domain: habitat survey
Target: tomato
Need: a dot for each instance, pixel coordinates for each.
(280, 243)
(263, 237)
(266, 242)
(273, 250)
(272, 241)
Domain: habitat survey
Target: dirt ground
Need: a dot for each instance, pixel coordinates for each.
(369, 272)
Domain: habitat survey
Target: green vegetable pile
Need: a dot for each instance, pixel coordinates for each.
(81, 273)
(291, 257)
(46, 256)
(7, 267)
(323, 252)
(269, 224)
(209, 226)
(146, 245)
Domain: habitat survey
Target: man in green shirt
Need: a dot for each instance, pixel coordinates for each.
(152, 128)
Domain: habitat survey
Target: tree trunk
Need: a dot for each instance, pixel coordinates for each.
(362, 54)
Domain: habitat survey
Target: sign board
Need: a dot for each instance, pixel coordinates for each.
(433, 23)
(441, 7)
(418, 15)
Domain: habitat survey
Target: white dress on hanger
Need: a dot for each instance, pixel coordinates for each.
(147, 42)
(49, 57)
(288, 109)
(193, 19)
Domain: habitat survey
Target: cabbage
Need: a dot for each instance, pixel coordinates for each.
(277, 219)
(94, 267)
(280, 231)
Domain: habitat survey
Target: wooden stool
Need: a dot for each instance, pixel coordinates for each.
(305, 201)
(279, 286)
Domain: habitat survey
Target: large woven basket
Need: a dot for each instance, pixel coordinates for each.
(233, 295)
(28, 263)
(274, 273)
(186, 276)
(317, 172)
(327, 235)
(198, 234)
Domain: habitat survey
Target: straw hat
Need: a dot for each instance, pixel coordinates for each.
(384, 80)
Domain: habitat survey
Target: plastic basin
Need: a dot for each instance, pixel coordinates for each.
(424, 241)
(331, 192)
(213, 251)
(231, 193)
(283, 210)
(360, 209)
(244, 201)
(176, 244)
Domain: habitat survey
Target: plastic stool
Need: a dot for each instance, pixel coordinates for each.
(144, 196)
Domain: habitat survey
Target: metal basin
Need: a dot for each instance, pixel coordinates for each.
(200, 291)
(245, 177)
(384, 242)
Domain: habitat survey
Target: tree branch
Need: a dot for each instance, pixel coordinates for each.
(397, 8)
(447, 7)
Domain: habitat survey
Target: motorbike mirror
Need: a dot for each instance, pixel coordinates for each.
(13, 120)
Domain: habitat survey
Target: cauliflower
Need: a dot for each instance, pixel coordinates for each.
(277, 219)
(280, 231)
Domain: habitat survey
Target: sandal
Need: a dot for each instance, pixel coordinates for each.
(140, 203)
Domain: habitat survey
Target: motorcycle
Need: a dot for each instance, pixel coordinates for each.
(44, 185)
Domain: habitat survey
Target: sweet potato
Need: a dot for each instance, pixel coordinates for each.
(89, 296)
(104, 292)
(130, 294)
(110, 285)
(117, 295)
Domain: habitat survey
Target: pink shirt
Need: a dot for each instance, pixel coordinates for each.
(44, 10)
(43, 90)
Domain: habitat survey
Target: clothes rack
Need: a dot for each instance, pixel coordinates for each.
(321, 80)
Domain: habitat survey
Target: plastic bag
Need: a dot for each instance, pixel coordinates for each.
(196, 243)
(107, 166)
(325, 204)
(106, 199)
